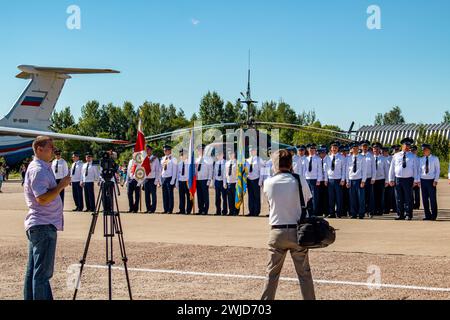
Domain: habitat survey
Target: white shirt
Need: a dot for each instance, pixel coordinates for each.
(381, 167)
(268, 170)
(169, 168)
(63, 169)
(397, 171)
(434, 168)
(219, 164)
(231, 178)
(316, 168)
(92, 174)
(370, 165)
(156, 170)
(76, 175)
(284, 200)
(339, 167)
(255, 168)
(204, 169)
(361, 168)
(180, 176)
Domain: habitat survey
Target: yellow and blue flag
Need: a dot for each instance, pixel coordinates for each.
(241, 185)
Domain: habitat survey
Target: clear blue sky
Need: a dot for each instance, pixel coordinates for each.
(312, 54)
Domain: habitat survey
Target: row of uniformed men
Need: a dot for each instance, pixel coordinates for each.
(367, 181)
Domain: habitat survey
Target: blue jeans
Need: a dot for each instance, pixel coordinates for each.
(429, 198)
(357, 199)
(41, 261)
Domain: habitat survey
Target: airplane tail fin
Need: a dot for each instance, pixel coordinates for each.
(35, 105)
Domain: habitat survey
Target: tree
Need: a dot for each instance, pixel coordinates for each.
(447, 117)
(389, 118)
(211, 108)
(62, 120)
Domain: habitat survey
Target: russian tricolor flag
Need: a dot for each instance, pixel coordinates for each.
(32, 101)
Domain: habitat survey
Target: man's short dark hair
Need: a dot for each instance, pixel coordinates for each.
(41, 141)
(282, 160)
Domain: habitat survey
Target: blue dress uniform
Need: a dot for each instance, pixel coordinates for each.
(356, 173)
(404, 173)
(185, 202)
(429, 171)
(335, 172)
(76, 175)
(313, 174)
(370, 179)
(254, 183)
(220, 187)
(168, 179)
(89, 175)
(133, 189)
(151, 182)
(204, 178)
(381, 179)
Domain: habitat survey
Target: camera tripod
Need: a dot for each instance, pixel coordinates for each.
(112, 226)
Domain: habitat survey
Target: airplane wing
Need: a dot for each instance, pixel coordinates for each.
(8, 131)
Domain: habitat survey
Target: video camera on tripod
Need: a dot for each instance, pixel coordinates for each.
(107, 203)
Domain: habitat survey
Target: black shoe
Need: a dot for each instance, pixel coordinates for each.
(426, 219)
(354, 218)
(75, 210)
(217, 214)
(361, 218)
(86, 210)
(409, 218)
(400, 218)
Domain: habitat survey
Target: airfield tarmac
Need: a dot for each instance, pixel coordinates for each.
(209, 257)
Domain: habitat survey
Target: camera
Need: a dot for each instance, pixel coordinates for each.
(108, 166)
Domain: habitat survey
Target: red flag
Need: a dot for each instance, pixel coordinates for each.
(140, 155)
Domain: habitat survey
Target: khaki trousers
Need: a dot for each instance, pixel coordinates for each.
(281, 241)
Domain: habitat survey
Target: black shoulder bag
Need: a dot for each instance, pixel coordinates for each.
(312, 232)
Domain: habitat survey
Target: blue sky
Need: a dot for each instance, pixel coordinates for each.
(312, 54)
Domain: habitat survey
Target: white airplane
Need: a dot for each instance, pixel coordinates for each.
(30, 115)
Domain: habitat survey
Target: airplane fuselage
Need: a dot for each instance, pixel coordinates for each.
(15, 149)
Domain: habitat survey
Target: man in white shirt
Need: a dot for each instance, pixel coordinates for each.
(60, 170)
(389, 198)
(370, 179)
(76, 175)
(416, 188)
(204, 179)
(89, 175)
(152, 180)
(323, 209)
(313, 173)
(299, 163)
(381, 174)
(356, 176)
(133, 188)
(219, 183)
(429, 171)
(231, 180)
(168, 178)
(283, 194)
(185, 202)
(335, 171)
(403, 175)
(344, 151)
(254, 182)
